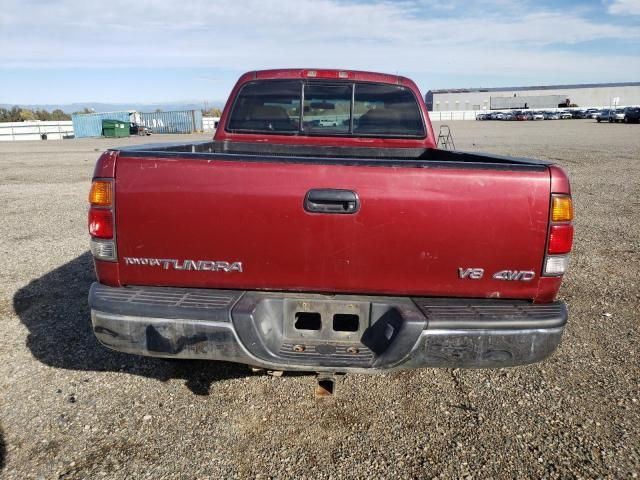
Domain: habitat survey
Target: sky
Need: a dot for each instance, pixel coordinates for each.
(65, 51)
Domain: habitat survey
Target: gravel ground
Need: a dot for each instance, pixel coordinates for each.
(69, 408)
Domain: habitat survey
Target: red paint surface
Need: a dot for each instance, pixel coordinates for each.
(415, 227)
(107, 273)
(559, 180)
(106, 165)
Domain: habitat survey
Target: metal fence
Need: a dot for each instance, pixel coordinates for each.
(186, 121)
(90, 124)
(36, 130)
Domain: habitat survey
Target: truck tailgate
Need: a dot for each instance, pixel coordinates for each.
(415, 229)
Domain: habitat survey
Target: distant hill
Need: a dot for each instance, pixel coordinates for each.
(114, 107)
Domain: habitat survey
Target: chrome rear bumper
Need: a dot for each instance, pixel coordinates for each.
(378, 333)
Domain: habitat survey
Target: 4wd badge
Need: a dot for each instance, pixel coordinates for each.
(522, 275)
(509, 275)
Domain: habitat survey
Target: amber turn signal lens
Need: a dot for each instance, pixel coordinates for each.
(101, 193)
(561, 209)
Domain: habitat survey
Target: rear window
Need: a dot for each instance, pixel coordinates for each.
(386, 110)
(328, 109)
(267, 107)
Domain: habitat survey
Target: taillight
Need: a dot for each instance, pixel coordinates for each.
(561, 208)
(560, 238)
(101, 224)
(101, 193)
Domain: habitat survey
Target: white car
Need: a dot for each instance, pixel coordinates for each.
(537, 116)
(617, 115)
(564, 115)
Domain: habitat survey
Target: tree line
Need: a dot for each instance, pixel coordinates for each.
(18, 114)
(211, 112)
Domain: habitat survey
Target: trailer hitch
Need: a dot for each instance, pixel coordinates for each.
(326, 385)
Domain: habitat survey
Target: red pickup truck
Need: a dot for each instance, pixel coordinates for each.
(322, 230)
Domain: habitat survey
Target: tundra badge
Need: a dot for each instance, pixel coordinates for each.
(197, 265)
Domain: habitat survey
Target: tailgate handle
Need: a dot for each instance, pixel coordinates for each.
(330, 200)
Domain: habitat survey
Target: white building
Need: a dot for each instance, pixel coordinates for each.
(586, 95)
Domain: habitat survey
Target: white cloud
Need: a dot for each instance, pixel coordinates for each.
(624, 7)
(409, 36)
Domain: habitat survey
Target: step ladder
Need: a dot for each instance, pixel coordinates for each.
(445, 139)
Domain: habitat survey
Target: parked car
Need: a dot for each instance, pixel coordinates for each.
(632, 115)
(210, 258)
(508, 116)
(518, 115)
(617, 115)
(564, 114)
(551, 116)
(603, 115)
(537, 116)
(591, 113)
(137, 129)
(482, 116)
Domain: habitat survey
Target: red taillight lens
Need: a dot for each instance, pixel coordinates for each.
(560, 239)
(100, 223)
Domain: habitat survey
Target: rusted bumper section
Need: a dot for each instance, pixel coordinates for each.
(324, 333)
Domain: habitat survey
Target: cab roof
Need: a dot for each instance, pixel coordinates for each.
(323, 73)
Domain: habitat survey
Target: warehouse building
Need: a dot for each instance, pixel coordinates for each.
(551, 96)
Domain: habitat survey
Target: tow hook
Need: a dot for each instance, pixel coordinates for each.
(326, 386)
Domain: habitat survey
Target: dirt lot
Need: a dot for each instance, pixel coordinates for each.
(72, 409)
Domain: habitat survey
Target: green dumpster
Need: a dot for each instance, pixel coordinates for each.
(115, 128)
